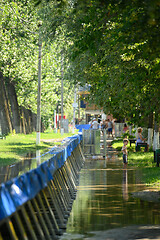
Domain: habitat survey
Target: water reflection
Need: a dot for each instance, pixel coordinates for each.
(30, 161)
(104, 202)
(38, 157)
(125, 185)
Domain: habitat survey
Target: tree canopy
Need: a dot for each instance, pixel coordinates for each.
(111, 45)
(116, 50)
(21, 24)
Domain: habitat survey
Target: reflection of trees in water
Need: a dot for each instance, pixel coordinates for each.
(14, 170)
(103, 200)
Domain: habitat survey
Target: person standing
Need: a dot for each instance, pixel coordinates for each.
(94, 124)
(125, 153)
(110, 127)
(103, 126)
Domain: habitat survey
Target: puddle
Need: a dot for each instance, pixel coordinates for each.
(104, 202)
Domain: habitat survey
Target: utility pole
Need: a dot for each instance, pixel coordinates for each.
(55, 127)
(62, 73)
(38, 128)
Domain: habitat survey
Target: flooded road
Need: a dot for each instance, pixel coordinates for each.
(104, 207)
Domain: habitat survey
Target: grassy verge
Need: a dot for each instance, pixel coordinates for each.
(143, 161)
(16, 147)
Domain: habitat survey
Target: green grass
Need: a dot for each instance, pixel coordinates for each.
(16, 147)
(151, 176)
(117, 144)
(141, 160)
(137, 159)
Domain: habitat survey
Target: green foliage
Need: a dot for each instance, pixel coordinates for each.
(113, 52)
(127, 135)
(20, 33)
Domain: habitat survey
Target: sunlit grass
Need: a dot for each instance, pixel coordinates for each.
(139, 159)
(151, 176)
(16, 146)
(117, 144)
(142, 160)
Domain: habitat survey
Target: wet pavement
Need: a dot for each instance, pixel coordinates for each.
(104, 207)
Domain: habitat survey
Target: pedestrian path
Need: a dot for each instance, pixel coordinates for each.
(104, 207)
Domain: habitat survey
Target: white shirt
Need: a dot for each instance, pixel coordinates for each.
(95, 125)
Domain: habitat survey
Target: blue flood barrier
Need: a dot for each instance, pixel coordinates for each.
(44, 174)
(51, 165)
(7, 206)
(83, 126)
(19, 190)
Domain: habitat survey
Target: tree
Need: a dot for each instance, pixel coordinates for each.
(116, 51)
(19, 57)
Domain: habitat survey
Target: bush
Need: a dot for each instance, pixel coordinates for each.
(129, 136)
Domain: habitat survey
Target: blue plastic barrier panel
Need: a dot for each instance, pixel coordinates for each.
(83, 126)
(34, 185)
(44, 175)
(7, 206)
(18, 196)
(19, 190)
(51, 166)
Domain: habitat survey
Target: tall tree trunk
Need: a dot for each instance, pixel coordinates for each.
(23, 120)
(6, 124)
(26, 120)
(150, 130)
(34, 121)
(14, 107)
(30, 120)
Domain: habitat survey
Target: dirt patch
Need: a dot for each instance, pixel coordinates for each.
(147, 195)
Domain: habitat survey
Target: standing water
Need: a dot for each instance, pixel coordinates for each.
(104, 207)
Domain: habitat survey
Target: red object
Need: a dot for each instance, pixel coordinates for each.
(64, 117)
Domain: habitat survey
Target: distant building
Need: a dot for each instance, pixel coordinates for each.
(90, 109)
